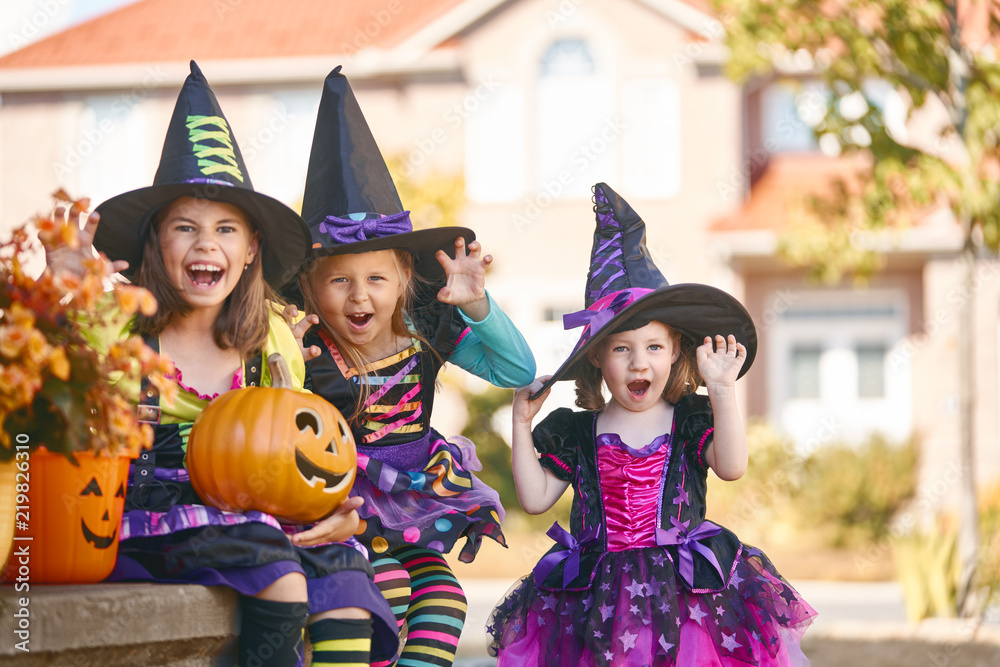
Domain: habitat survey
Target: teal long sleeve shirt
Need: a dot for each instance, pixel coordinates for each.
(495, 350)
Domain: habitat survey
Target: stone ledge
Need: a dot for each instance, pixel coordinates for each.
(120, 624)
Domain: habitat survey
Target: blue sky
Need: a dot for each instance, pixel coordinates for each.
(25, 21)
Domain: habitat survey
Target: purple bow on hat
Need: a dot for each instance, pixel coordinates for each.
(346, 230)
(598, 317)
(687, 541)
(571, 556)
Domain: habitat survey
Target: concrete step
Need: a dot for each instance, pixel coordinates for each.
(116, 624)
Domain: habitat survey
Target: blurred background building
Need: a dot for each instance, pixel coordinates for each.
(529, 103)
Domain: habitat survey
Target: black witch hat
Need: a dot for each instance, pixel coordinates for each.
(202, 159)
(625, 287)
(350, 202)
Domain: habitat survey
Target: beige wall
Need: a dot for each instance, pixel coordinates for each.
(936, 357)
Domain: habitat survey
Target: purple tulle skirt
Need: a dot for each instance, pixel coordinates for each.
(423, 493)
(637, 612)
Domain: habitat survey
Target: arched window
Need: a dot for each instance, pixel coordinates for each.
(567, 58)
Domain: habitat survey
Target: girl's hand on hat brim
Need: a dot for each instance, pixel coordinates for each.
(300, 325)
(70, 259)
(525, 408)
(338, 527)
(466, 274)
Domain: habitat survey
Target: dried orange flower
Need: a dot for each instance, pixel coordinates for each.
(54, 386)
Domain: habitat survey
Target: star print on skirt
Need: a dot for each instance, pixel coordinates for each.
(637, 612)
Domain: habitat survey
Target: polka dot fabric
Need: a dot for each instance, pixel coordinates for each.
(424, 494)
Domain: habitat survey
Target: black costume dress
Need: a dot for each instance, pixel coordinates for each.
(642, 578)
(419, 488)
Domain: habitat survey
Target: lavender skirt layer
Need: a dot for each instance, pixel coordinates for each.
(247, 552)
(423, 493)
(638, 612)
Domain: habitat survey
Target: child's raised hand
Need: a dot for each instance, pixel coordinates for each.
(466, 274)
(300, 328)
(525, 409)
(69, 259)
(720, 365)
(339, 526)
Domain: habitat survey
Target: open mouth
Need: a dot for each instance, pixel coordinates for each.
(98, 541)
(359, 319)
(204, 275)
(638, 389)
(314, 474)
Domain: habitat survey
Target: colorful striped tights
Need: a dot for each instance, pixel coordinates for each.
(434, 609)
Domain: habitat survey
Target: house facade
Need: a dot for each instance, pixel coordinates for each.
(532, 102)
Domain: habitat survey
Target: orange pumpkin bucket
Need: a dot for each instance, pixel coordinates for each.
(272, 449)
(8, 471)
(69, 531)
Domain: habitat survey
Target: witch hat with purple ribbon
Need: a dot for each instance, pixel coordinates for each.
(201, 159)
(350, 202)
(626, 291)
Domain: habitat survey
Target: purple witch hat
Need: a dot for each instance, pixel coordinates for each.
(201, 159)
(624, 287)
(350, 202)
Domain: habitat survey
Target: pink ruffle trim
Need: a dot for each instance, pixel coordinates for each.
(179, 379)
(701, 447)
(557, 462)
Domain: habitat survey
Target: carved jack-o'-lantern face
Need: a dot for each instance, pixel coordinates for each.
(75, 511)
(272, 449)
(328, 466)
(104, 524)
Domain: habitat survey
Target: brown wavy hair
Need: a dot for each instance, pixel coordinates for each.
(684, 377)
(353, 356)
(242, 323)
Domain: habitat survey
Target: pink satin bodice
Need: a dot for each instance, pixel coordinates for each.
(630, 488)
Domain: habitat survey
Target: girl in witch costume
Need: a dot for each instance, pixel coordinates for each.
(394, 305)
(212, 250)
(641, 578)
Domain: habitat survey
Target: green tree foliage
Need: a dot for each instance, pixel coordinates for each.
(837, 495)
(929, 569)
(940, 56)
(855, 492)
(494, 453)
(492, 450)
(919, 50)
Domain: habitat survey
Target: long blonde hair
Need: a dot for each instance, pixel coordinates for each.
(403, 262)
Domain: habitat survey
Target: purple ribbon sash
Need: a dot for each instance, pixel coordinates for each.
(571, 556)
(346, 230)
(596, 318)
(688, 541)
(581, 318)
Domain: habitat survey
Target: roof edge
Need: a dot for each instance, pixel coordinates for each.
(465, 14)
(369, 63)
(689, 18)
(733, 245)
(446, 26)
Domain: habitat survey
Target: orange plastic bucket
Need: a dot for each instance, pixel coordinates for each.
(67, 532)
